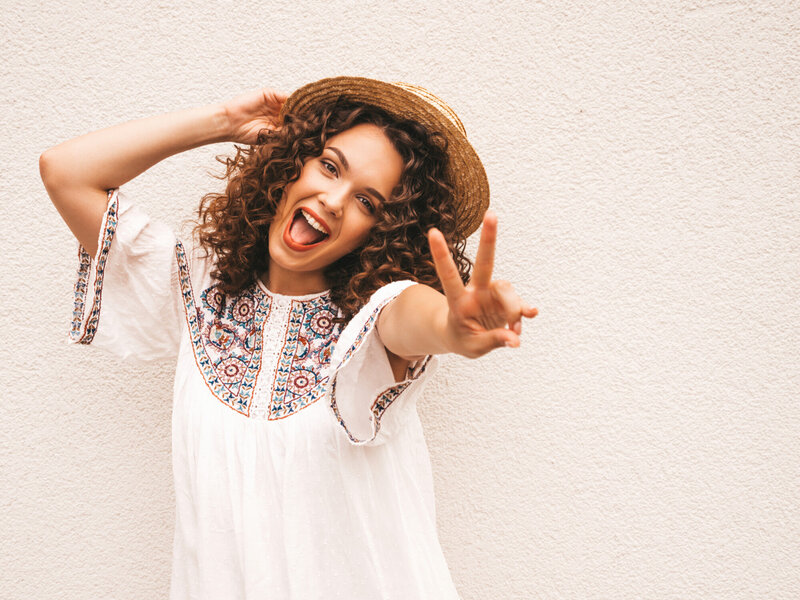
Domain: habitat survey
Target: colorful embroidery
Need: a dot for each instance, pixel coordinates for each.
(305, 356)
(78, 333)
(362, 333)
(385, 398)
(226, 337)
(382, 402)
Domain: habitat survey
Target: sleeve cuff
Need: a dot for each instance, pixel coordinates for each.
(89, 284)
(136, 276)
(369, 405)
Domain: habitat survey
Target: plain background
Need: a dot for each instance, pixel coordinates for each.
(643, 160)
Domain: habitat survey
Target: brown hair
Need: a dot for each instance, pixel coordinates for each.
(235, 224)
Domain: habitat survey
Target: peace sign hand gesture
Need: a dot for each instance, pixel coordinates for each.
(479, 311)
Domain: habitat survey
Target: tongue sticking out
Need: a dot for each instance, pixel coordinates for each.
(303, 233)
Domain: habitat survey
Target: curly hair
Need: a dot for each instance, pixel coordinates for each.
(234, 225)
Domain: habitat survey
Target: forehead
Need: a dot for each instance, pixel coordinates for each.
(363, 136)
(369, 153)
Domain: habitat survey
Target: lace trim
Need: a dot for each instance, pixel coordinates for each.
(84, 328)
(301, 335)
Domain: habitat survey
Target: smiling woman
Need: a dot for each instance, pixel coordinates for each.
(347, 196)
(305, 316)
(375, 184)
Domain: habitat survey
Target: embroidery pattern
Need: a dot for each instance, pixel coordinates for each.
(82, 284)
(382, 402)
(226, 334)
(362, 333)
(385, 398)
(300, 374)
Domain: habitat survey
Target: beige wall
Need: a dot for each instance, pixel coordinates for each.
(643, 157)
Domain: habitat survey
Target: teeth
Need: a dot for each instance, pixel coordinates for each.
(313, 222)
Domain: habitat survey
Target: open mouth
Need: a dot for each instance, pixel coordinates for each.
(304, 231)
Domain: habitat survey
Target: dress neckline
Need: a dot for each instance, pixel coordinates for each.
(272, 294)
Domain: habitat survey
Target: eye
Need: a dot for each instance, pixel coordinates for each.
(326, 164)
(367, 204)
(331, 168)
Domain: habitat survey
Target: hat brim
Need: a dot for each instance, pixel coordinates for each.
(470, 184)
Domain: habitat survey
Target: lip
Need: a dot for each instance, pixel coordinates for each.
(287, 239)
(317, 217)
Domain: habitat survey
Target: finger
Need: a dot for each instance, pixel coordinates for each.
(529, 311)
(278, 95)
(446, 268)
(484, 259)
(503, 292)
(491, 340)
(280, 99)
(512, 341)
(502, 338)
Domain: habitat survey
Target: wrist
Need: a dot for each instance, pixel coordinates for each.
(221, 129)
(442, 327)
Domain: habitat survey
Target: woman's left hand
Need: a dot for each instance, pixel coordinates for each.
(479, 311)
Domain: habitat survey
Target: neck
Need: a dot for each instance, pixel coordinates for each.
(293, 283)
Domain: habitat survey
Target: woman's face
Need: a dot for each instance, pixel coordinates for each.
(329, 210)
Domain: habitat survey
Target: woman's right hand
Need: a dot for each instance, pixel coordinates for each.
(251, 112)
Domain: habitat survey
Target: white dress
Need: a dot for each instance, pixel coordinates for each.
(301, 470)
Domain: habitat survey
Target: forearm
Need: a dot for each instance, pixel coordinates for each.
(109, 157)
(414, 324)
(77, 172)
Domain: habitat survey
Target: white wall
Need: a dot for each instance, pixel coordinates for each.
(643, 158)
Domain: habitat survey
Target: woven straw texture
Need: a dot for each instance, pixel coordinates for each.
(406, 101)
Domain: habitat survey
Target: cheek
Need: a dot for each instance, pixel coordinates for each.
(361, 234)
(283, 204)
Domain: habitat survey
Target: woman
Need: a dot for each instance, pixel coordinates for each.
(305, 318)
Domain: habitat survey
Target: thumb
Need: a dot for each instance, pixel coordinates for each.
(500, 338)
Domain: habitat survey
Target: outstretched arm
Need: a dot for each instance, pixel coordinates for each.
(469, 320)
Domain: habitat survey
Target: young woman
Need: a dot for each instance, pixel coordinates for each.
(305, 315)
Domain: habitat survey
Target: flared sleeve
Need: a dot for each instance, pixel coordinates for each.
(369, 404)
(127, 298)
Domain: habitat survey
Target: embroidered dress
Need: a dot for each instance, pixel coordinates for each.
(301, 470)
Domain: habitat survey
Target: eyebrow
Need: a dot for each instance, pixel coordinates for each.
(346, 165)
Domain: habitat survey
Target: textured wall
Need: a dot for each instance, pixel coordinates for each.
(643, 157)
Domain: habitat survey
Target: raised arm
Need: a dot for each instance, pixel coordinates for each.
(468, 320)
(77, 173)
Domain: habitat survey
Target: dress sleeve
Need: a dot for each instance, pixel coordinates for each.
(368, 403)
(127, 298)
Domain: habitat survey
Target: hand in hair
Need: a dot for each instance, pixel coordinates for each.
(478, 313)
(249, 113)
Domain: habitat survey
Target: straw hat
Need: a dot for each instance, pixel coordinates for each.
(406, 101)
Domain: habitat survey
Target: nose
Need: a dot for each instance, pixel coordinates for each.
(333, 200)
